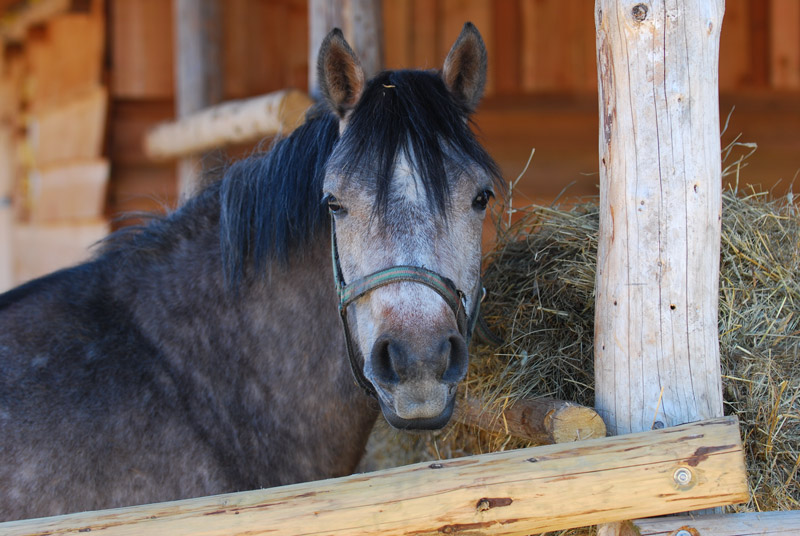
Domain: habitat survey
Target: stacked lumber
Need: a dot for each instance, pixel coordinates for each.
(56, 172)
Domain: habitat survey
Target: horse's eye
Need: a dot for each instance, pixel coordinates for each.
(482, 199)
(333, 205)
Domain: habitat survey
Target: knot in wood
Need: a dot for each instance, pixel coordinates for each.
(639, 12)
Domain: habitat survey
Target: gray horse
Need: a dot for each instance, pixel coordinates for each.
(212, 351)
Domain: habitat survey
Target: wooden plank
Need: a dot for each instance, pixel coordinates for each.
(510, 493)
(65, 61)
(137, 189)
(228, 123)
(40, 249)
(75, 130)
(735, 61)
(68, 192)
(507, 31)
(141, 49)
(785, 523)
(397, 52)
(785, 44)
(426, 18)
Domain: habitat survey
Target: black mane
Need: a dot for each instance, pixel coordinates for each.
(271, 203)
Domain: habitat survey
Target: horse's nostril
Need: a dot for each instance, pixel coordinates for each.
(457, 360)
(382, 361)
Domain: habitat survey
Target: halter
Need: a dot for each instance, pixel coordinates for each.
(443, 286)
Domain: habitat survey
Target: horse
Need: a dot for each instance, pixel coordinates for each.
(251, 337)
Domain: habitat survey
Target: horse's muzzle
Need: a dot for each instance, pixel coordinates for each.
(416, 383)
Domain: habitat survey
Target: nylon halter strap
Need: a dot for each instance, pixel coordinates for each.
(348, 293)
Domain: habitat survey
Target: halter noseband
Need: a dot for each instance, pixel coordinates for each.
(348, 293)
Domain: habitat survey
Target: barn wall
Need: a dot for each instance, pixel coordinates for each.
(541, 91)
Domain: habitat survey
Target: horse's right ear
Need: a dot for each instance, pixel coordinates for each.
(339, 73)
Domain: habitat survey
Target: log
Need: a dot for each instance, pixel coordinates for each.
(43, 248)
(69, 192)
(238, 121)
(747, 524)
(510, 493)
(541, 420)
(656, 334)
(75, 130)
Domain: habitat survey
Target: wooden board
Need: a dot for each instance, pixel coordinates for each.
(508, 493)
(785, 44)
(142, 49)
(786, 523)
(65, 60)
(40, 249)
(69, 192)
(75, 130)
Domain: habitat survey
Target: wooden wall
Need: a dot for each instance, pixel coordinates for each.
(541, 91)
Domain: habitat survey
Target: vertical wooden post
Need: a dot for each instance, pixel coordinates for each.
(362, 24)
(198, 70)
(656, 335)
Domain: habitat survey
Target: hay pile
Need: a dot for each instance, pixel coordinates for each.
(540, 284)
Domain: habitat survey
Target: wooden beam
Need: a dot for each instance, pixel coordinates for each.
(542, 420)
(511, 493)
(656, 334)
(785, 523)
(238, 121)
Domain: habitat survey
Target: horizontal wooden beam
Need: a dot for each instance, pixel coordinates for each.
(693, 466)
(238, 121)
(542, 420)
(785, 523)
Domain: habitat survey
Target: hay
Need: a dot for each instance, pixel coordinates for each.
(540, 283)
(540, 298)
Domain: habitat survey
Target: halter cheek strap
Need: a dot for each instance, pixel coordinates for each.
(348, 293)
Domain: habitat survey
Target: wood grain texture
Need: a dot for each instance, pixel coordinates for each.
(542, 420)
(228, 123)
(511, 493)
(69, 192)
(785, 523)
(656, 335)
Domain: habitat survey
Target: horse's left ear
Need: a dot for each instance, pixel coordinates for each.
(464, 71)
(339, 73)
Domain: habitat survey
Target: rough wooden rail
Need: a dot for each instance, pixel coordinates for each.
(519, 492)
(541, 420)
(237, 121)
(785, 523)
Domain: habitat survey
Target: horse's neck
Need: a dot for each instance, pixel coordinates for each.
(263, 371)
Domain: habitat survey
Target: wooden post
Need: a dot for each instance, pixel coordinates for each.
(198, 70)
(514, 493)
(362, 24)
(656, 336)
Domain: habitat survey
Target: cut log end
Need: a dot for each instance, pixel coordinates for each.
(540, 420)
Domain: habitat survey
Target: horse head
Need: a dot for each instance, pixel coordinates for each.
(407, 186)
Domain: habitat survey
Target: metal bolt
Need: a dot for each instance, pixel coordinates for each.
(682, 476)
(658, 425)
(683, 532)
(639, 12)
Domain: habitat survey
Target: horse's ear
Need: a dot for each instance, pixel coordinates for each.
(464, 71)
(339, 73)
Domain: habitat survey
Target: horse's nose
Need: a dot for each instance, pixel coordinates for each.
(395, 361)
